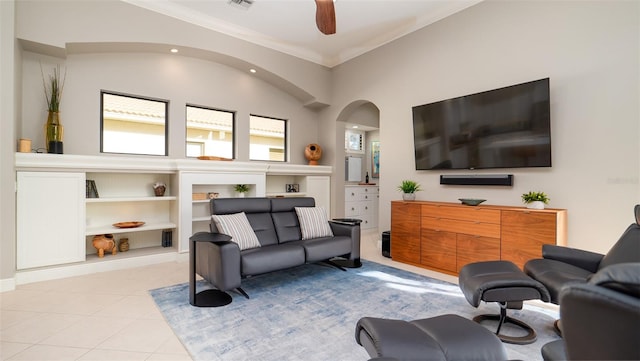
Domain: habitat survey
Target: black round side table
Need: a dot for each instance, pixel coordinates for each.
(211, 297)
(356, 263)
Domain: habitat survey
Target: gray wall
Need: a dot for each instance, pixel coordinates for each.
(590, 52)
(181, 80)
(9, 66)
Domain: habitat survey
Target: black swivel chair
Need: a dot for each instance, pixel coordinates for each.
(600, 318)
(560, 266)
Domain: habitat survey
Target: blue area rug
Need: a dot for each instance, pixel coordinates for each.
(310, 312)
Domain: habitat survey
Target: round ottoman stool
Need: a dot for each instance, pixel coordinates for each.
(502, 282)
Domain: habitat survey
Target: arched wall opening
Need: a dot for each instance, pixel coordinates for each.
(358, 121)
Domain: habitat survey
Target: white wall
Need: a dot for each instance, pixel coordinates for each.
(8, 113)
(590, 52)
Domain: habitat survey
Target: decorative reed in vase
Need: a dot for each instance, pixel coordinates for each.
(53, 93)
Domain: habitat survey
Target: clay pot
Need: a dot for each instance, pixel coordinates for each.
(313, 153)
(104, 242)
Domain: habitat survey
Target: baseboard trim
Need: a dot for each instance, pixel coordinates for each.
(7, 284)
(85, 268)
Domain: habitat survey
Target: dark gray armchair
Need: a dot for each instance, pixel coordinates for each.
(600, 318)
(560, 266)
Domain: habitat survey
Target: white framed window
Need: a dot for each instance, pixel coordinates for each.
(267, 138)
(210, 132)
(132, 124)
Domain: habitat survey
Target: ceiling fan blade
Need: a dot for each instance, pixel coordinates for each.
(326, 16)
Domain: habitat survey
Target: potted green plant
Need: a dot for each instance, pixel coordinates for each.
(409, 189)
(535, 200)
(53, 94)
(241, 189)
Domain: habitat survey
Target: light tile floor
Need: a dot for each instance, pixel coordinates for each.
(110, 315)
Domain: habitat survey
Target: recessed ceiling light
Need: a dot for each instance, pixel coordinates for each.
(355, 127)
(252, 70)
(174, 50)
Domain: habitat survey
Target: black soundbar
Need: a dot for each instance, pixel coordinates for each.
(478, 180)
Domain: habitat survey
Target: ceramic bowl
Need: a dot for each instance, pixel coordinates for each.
(471, 201)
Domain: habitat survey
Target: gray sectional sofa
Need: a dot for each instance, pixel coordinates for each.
(276, 225)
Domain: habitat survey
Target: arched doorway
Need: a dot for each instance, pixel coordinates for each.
(358, 138)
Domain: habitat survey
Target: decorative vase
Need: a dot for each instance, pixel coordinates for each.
(313, 153)
(123, 245)
(159, 189)
(409, 196)
(240, 194)
(104, 242)
(53, 133)
(535, 205)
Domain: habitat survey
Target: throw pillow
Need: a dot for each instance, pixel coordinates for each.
(313, 222)
(237, 226)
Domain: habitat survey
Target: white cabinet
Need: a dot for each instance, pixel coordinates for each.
(50, 218)
(56, 222)
(319, 187)
(361, 202)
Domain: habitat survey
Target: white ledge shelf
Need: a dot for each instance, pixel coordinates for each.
(201, 219)
(286, 194)
(131, 253)
(104, 229)
(131, 199)
(201, 201)
(154, 164)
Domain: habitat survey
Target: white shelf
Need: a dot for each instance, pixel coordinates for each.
(132, 253)
(286, 194)
(131, 199)
(104, 229)
(201, 219)
(201, 201)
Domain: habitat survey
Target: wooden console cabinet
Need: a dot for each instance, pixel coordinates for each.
(446, 236)
(405, 232)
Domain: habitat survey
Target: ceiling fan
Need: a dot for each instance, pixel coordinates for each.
(326, 16)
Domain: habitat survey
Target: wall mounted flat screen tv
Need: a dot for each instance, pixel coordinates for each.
(502, 128)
